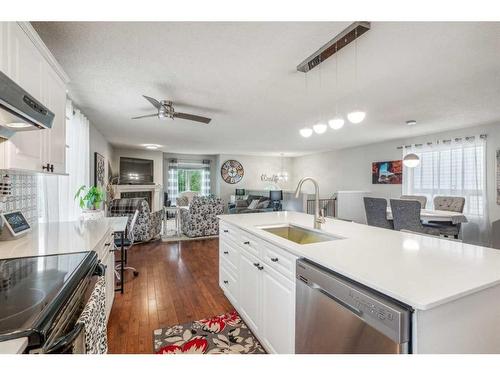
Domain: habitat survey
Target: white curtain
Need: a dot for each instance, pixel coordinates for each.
(56, 193)
(454, 168)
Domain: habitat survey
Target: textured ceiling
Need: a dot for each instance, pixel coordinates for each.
(242, 75)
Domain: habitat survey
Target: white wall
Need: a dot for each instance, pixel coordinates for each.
(97, 143)
(156, 156)
(254, 167)
(350, 169)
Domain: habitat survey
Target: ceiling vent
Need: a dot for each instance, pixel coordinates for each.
(348, 35)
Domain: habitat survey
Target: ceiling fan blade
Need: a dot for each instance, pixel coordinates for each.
(187, 116)
(138, 117)
(153, 101)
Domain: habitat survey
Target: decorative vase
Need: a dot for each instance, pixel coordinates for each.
(89, 214)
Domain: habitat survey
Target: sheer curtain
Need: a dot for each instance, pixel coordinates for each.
(56, 193)
(455, 168)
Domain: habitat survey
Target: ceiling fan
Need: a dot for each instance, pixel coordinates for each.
(166, 110)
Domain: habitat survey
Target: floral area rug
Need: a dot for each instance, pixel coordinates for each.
(221, 334)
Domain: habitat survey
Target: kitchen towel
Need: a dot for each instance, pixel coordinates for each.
(93, 318)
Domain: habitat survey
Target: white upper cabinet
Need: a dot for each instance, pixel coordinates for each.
(26, 60)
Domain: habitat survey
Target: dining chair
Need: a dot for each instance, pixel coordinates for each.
(406, 215)
(376, 212)
(128, 242)
(419, 198)
(448, 203)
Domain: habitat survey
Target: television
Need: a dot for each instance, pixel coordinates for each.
(135, 171)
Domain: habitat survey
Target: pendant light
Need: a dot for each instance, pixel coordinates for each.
(283, 175)
(320, 127)
(411, 160)
(337, 122)
(356, 116)
(305, 132)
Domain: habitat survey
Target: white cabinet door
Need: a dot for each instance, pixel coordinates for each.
(250, 280)
(278, 312)
(25, 67)
(55, 144)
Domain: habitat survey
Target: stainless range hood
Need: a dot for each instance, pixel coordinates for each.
(19, 111)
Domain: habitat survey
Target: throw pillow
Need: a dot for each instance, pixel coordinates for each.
(263, 204)
(253, 205)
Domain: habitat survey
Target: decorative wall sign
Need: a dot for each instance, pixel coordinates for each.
(99, 171)
(387, 172)
(232, 171)
(498, 176)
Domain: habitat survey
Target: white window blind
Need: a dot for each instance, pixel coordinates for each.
(453, 168)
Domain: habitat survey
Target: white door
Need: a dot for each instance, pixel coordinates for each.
(55, 145)
(250, 281)
(278, 312)
(25, 67)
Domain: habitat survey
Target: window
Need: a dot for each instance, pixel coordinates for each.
(189, 180)
(455, 169)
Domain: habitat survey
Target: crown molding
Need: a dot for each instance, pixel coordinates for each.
(42, 48)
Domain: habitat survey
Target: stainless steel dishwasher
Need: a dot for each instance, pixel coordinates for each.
(335, 315)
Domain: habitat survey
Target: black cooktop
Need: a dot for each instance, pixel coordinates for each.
(28, 285)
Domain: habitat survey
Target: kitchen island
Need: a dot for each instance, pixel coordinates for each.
(452, 288)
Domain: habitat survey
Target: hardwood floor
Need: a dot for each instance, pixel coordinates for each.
(177, 283)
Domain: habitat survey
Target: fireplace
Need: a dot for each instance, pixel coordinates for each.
(147, 195)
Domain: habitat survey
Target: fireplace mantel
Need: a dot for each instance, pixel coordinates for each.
(155, 189)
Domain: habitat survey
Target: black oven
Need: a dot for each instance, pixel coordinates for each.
(42, 297)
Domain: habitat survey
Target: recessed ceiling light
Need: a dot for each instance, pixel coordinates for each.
(320, 128)
(356, 117)
(152, 147)
(336, 123)
(411, 122)
(306, 132)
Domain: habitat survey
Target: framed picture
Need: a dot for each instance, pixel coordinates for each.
(387, 172)
(99, 165)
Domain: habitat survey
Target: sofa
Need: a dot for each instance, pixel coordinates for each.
(148, 225)
(200, 219)
(242, 206)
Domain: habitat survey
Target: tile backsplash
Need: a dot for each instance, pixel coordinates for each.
(24, 195)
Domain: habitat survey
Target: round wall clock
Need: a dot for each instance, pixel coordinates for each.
(232, 171)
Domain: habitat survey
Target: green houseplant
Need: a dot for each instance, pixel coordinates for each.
(90, 198)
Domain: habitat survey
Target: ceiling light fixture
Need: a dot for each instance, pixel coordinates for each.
(18, 125)
(152, 147)
(411, 160)
(356, 117)
(306, 132)
(411, 122)
(320, 128)
(336, 123)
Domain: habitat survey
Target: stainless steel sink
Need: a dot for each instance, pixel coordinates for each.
(302, 236)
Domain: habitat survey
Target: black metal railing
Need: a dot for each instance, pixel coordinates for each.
(328, 205)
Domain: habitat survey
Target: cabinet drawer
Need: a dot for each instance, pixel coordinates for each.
(227, 231)
(250, 243)
(228, 281)
(229, 252)
(279, 260)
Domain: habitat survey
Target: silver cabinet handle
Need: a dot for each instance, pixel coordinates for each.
(274, 259)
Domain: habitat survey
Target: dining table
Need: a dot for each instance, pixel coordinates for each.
(437, 215)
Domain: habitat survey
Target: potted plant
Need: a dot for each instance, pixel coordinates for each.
(90, 201)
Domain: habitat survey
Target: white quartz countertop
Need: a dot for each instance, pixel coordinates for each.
(61, 237)
(420, 271)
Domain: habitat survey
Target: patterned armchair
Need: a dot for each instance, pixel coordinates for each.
(148, 224)
(201, 217)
